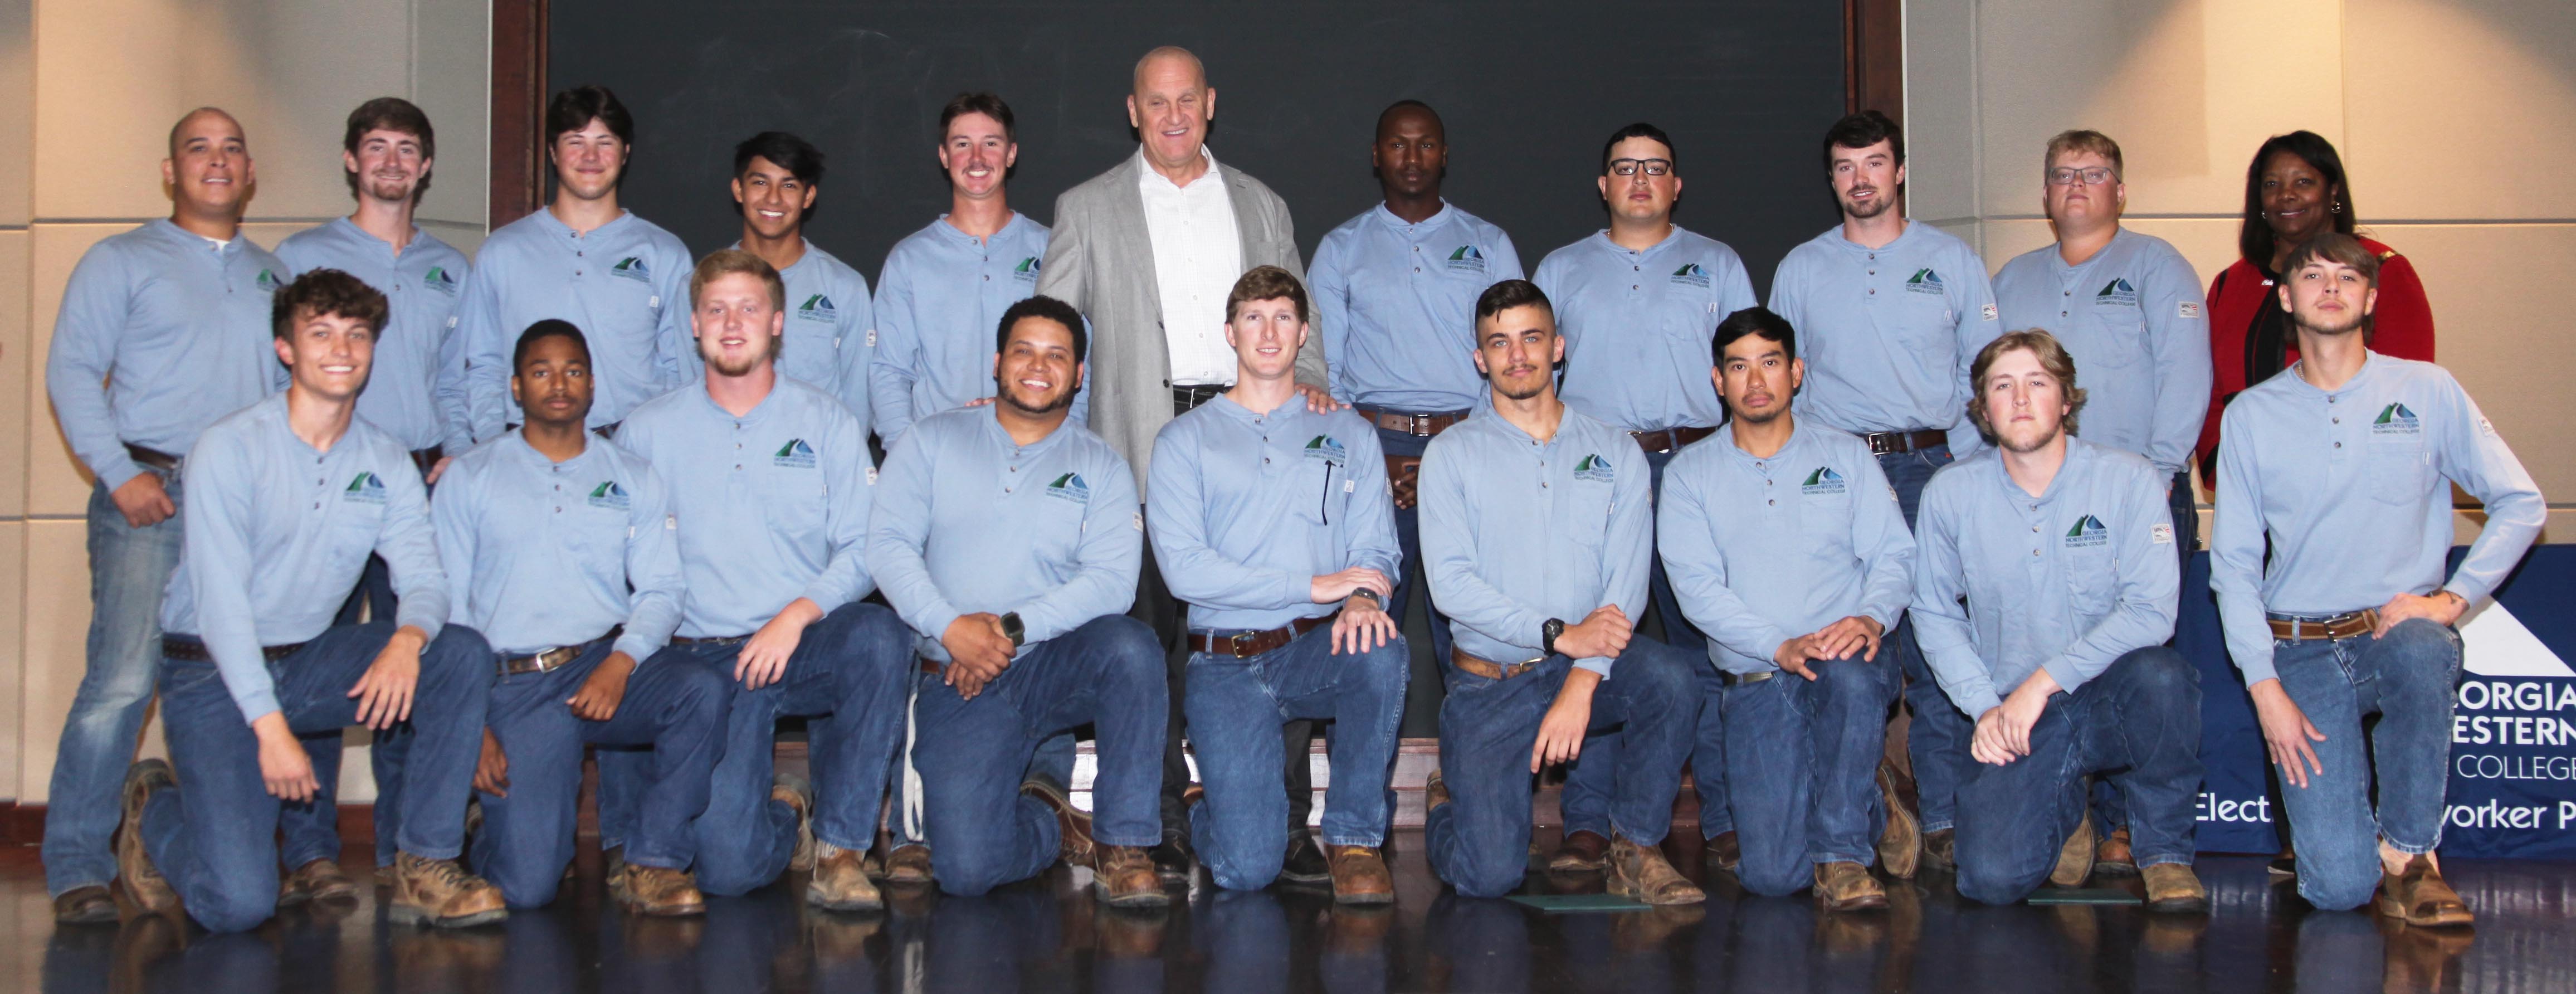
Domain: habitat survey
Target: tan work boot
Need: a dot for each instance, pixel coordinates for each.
(840, 881)
(1900, 847)
(2113, 855)
(658, 891)
(1124, 877)
(1580, 852)
(1073, 823)
(1847, 886)
(1642, 872)
(2075, 859)
(316, 880)
(143, 881)
(1359, 875)
(2174, 887)
(440, 893)
(2420, 896)
(908, 865)
(795, 792)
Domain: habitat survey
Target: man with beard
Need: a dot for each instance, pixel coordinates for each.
(2350, 614)
(2044, 594)
(769, 487)
(831, 326)
(1892, 312)
(1009, 539)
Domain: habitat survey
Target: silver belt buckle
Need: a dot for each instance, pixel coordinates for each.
(1421, 425)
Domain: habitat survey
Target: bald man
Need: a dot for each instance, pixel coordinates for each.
(163, 330)
(1148, 252)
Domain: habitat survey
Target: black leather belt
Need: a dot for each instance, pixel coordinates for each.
(153, 459)
(555, 658)
(1187, 399)
(709, 640)
(194, 648)
(1888, 443)
(1245, 645)
(1740, 679)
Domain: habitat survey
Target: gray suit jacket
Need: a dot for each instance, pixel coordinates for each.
(1101, 260)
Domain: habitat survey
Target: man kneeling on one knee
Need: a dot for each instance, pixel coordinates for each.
(1275, 525)
(2043, 595)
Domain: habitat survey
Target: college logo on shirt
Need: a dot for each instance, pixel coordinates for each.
(609, 494)
(2395, 419)
(266, 281)
(1070, 487)
(2117, 293)
(1328, 449)
(1925, 281)
(633, 268)
(818, 308)
(1593, 468)
(795, 455)
(1026, 271)
(1466, 260)
(2088, 531)
(437, 278)
(364, 488)
(1691, 275)
(1823, 482)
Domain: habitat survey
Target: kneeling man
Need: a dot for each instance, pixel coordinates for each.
(2043, 596)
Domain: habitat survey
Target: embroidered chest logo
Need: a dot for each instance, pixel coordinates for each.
(633, 268)
(1925, 281)
(1593, 468)
(1328, 449)
(2117, 293)
(1691, 275)
(1823, 482)
(794, 455)
(266, 281)
(364, 488)
(2395, 419)
(1070, 487)
(2088, 532)
(609, 495)
(440, 280)
(818, 308)
(1026, 271)
(1466, 260)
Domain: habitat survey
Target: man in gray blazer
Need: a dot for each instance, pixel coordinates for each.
(1147, 252)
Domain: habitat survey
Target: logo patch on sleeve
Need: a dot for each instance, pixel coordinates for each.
(2160, 534)
(1988, 312)
(1140, 520)
(2189, 310)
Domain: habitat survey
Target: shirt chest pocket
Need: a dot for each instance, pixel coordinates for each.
(2124, 334)
(1824, 527)
(355, 526)
(1057, 524)
(594, 528)
(1321, 489)
(2400, 469)
(1584, 513)
(2092, 579)
(796, 499)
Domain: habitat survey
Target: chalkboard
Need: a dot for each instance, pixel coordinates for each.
(1529, 91)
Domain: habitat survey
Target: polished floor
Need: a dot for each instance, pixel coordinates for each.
(1047, 935)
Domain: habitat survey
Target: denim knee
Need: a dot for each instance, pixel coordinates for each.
(1128, 648)
(1660, 673)
(2163, 674)
(1852, 679)
(1987, 884)
(458, 651)
(1484, 876)
(2412, 640)
(229, 907)
(2336, 895)
(1779, 878)
(970, 870)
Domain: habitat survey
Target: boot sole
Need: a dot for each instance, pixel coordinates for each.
(1875, 902)
(1383, 898)
(1141, 899)
(416, 916)
(2179, 904)
(2392, 909)
(2122, 869)
(845, 906)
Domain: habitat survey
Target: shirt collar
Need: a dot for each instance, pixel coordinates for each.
(187, 237)
(1147, 177)
(1799, 432)
(955, 234)
(519, 447)
(758, 411)
(2078, 464)
(1671, 238)
(993, 430)
(1437, 219)
(555, 226)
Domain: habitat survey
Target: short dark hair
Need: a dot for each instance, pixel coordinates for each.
(982, 102)
(572, 110)
(2254, 235)
(326, 291)
(1042, 306)
(1640, 129)
(1509, 294)
(390, 114)
(542, 330)
(1409, 103)
(1759, 322)
(1266, 283)
(2343, 250)
(1863, 130)
(786, 151)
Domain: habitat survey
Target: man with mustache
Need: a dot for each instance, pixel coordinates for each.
(831, 325)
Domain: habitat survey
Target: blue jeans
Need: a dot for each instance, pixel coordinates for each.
(1054, 761)
(2408, 678)
(129, 568)
(1803, 758)
(312, 831)
(214, 836)
(1937, 738)
(672, 705)
(1241, 828)
(973, 755)
(1408, 536)
(1479, 841)
(2139, 721)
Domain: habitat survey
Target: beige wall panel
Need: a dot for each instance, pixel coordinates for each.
(13, 618)
(1968, 230)
(56, 630)
(108, 87)
(2008, 238)
(451, 80)
(17, 109)
(2507, 343)
(57, 485)
(466, 237)
(18, 382)
(1940, 125)
(2444, 94)
(2209, 244)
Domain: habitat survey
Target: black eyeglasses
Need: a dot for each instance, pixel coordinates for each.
(1653, 167)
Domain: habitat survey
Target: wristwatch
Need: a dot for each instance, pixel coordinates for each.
(1370, 594)
(1012, 629)
(1547, 634)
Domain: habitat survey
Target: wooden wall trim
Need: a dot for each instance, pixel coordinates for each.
(518, 109)
(1874, 57)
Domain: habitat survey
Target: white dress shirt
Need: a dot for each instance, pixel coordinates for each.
(1197, 258)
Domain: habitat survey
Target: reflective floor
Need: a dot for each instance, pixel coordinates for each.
(1047, 935)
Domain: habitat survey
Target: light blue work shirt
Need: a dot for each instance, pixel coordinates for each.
(277, 534)
(1762, 551)
(939, 307)
(1888, 333)
(543, 554)
(2354, 499)
(1246, 510)
(160, 334)
(772, 505)
(831, 329)
(418, 344)
(1396, 304)
(1516, 531)
(969, 521)
(1638, 323)
(625, 285)
(2068, 581)
(2131, 318)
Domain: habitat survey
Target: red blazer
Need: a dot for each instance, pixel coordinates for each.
(2402, 327)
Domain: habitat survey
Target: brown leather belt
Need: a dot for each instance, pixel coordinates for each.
(2341, 626)
(709, 640)
(152, 458)
(1888, 443)
(1669, 439)
(194, 648)
(1488, 669)
(1249, 644)
(1416, 425)
(555, 658)
(931, 666)
(425, 459)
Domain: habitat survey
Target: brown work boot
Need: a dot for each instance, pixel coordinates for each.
(2174, 887)
(440, 893)
(1074, 823)
(1435, 792)
(1124, 877)
(316, 880)
(143, 881)
(1722, 851)
(1847, 886)
(1642, 873)
(1900, 847)
(908, 865)
(840, 881)
(1359, 875)
(658, 891)
(1580, 852)
(796, 792)
(2075, 858)
(2419, 896)
(89, 905)
(1941, 849)
(2113, 855)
